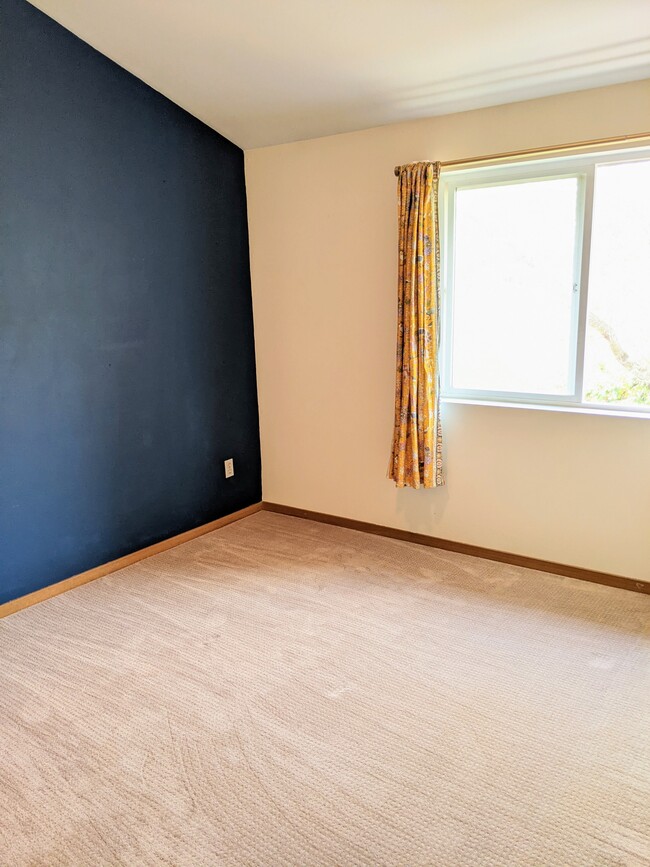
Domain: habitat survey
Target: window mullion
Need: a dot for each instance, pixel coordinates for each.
(583, 279)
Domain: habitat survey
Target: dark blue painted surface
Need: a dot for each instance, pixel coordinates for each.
(127, 369)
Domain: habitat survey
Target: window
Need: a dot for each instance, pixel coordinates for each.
(546, 281)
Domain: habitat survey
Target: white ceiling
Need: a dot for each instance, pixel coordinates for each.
(268, 71)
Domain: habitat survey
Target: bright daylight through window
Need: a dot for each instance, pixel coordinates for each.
(547, 281)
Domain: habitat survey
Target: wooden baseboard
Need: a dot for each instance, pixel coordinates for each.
(48, 592)
(462, 548)
(114, 565)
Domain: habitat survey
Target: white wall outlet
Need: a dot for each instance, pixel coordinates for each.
(229, 467)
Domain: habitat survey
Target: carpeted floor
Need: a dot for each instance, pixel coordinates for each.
(281, 692)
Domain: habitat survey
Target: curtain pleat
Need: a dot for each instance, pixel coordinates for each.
(416, 457)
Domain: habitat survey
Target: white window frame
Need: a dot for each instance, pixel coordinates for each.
(581, 166)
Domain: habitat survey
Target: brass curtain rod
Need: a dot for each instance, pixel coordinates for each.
(597, 142)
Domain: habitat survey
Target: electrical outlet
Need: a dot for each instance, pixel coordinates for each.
(229, 467)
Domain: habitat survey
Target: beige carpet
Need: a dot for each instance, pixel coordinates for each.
(285, 693)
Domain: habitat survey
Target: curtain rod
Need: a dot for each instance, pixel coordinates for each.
(597, 142)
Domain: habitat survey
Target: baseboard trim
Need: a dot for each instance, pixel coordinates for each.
(115, 565)
(619, 581)
(52, 590)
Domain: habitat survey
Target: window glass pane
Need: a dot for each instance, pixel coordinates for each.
(513, 287)
(617, 355)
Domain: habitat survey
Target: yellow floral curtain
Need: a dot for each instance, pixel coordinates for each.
(416, 458)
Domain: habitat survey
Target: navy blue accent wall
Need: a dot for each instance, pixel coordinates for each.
(127, 367)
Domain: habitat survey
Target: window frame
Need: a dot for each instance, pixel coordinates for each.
(581, 166)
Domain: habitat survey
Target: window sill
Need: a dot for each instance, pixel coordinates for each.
(547, 407)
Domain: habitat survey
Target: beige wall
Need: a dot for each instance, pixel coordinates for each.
(560, 486)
